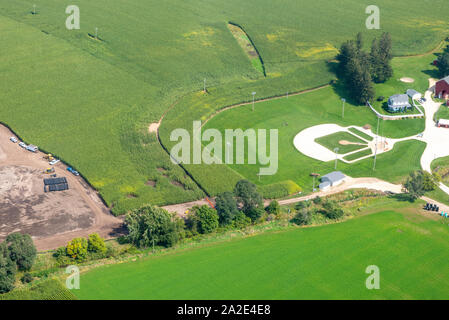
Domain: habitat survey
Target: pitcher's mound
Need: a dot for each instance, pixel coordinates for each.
(407, 80)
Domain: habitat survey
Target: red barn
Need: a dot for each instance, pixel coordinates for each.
(442, 88)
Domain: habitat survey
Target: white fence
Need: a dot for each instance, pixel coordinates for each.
(398, 117)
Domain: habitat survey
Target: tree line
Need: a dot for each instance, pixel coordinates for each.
(153, 226)
(359, 70)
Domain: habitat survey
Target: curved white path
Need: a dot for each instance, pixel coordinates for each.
(305, 142)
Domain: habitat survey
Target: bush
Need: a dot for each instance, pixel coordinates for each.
(26, 278)
(77, 249)
(302, 218)
(302, 205)
(241, 221)
(203, 219)
(332, 210)
(254, 213)
(273, 207)
(381, 98)
(153, 225)
(96, 244)
(317, 200)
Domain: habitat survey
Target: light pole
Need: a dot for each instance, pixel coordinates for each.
(336, 157)
(253, 93)
(343, 112)
(34, 9)
(96, 33)
(375, 152)
(205, 85)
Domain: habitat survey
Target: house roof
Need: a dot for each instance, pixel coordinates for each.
(399, 99)
(445, 79)
(333, 176)
(412, 92)
(324, 184)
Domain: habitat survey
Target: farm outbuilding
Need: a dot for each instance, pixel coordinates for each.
(442, 88)
(331, 180)
(413, 94)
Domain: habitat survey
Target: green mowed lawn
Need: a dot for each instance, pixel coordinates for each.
(290, 116)
(361, 134)
(358, 155)
(326, 262)
(442, 113)
(332, 141)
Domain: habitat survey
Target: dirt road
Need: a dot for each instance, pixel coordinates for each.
(51, 218)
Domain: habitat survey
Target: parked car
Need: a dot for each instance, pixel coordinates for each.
(14, 140)
(32, 148)
(23, 145)
(74, 172)
(53, 162)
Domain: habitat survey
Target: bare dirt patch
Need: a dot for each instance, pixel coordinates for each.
(151, 183)
(153, 127)
(177, 183)
(51, 218)
(346, 142)
(407, 80)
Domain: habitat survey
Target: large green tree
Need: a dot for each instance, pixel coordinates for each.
(247, 196)
(22, 250)
(151, 224)
(7, 269)
(443, 64)
(415, 185)
(226, 207)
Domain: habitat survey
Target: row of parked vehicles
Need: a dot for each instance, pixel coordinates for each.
(30, 147)
(49, 157)
(431, 207)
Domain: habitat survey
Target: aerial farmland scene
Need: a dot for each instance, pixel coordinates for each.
(224, 150)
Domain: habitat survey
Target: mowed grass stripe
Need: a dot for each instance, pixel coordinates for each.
(325, 262)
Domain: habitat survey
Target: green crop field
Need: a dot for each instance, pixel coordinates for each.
(45, 290)
(326, 262)
(90, 102)
(332, 141)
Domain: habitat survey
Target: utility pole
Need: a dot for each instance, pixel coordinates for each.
(375, 152)
(343, 112)
(96, 33)
(336, 157)
(253, 93)
(34, 9)
(204, 85)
